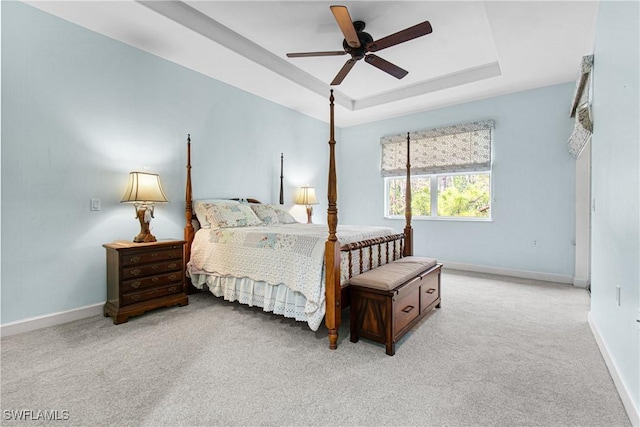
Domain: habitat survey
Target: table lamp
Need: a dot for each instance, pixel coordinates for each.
(144, 191)
(307, 197)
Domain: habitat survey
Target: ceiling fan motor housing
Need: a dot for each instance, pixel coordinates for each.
(364, 38)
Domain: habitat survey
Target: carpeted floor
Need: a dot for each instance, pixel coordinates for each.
(500, 352)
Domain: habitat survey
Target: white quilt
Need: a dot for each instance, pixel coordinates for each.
(284, 254)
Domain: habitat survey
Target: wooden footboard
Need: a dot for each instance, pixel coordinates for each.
(373, 253)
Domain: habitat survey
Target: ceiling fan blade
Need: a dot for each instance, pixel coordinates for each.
(341, 14)
(306, 54)
(386, 66)
(407, 34)
(343, 72)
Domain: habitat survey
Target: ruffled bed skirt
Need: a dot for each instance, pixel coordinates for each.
(278, 299)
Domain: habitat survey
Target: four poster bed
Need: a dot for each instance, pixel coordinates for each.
(298, 270)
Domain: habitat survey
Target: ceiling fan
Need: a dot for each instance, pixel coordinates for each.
(358, 44)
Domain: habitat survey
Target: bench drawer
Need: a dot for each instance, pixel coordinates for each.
(405, 308)
(429, 291)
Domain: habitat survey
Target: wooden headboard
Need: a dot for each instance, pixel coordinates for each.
(246, 200)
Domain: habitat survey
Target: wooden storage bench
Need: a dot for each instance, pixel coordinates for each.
(389, 300)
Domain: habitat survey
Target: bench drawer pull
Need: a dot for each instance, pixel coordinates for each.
(408, 308)
(430, 290)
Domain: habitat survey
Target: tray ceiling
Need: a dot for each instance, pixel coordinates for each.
(477, 49)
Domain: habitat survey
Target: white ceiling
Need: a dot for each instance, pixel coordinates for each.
(477, 49)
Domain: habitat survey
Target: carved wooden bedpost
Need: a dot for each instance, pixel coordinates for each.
(408, 231)
(188, 214)
(332, 246)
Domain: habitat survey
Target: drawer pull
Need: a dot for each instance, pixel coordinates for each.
(135, 297)
(431, 290)
(154, 255)
(155, 279)
(135, 284)
(173, 289)
(173, 276)
(173, 265)
(155, 267)
(135, 271)
(134, 259)
(408, 309)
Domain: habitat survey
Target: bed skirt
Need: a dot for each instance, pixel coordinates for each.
(278, 299)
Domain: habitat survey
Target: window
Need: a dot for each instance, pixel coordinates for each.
(450, 172)
(420, 196)
(457, 196)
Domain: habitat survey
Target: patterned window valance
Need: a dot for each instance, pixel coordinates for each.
(581, 109)
(460, 148)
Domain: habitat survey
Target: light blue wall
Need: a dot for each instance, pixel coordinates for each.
(533, 184)
(79, 112)
(616, 188)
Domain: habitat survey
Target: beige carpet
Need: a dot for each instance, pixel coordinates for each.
(500, 352)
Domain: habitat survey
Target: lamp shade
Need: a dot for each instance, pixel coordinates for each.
(307, 196)
(144, 187)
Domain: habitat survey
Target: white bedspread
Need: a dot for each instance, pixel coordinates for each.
(284, 254)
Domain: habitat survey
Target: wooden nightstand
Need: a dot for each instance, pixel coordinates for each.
(144, 276)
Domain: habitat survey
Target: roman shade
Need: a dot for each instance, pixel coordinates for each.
(581, 109)
(452, 149)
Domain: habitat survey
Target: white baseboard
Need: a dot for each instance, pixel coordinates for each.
(39, 322)
(524, 274)
(627, 400)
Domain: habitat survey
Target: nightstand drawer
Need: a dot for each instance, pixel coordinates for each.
(150, 294)
(153, 281)
(144, 257)
(151, 269)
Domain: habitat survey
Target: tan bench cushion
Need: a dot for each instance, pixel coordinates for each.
(394, 274)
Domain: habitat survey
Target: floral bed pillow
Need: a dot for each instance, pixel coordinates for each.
(200, 209)
(284, 217)
(225, 215)
(273, 214)
(266, 213)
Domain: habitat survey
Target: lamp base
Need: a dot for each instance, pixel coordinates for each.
(145, 235)
(144, 238)
(309, 214)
